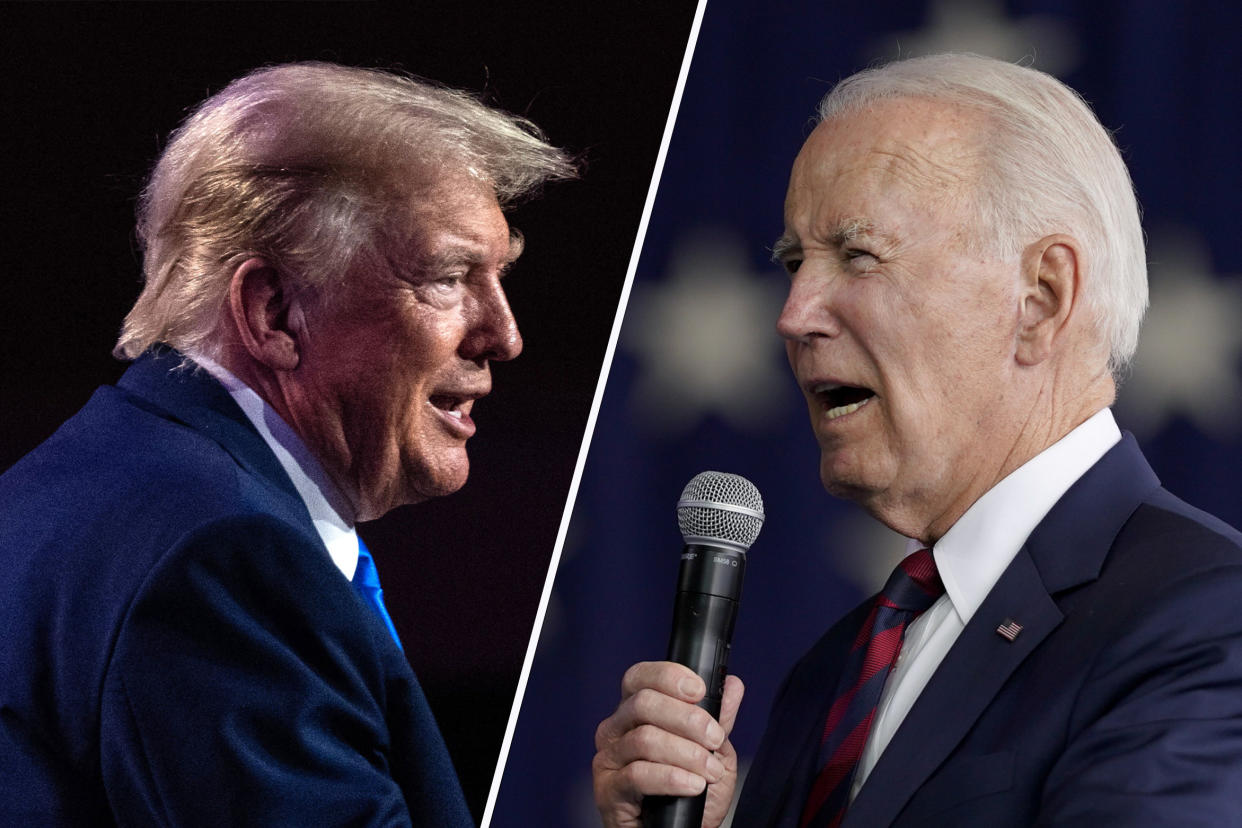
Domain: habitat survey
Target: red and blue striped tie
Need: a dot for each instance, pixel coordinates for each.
(912, 588)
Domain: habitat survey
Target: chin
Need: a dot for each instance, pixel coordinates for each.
(437, 476)
(854, 484)
(843, 490)
(419, 480)
(842, 476)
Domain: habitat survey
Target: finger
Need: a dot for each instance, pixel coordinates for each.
(730, 701)
(651, 707)
(670, 678)
(648, 743)
(719, 798)
(640, 779)
(728, 757)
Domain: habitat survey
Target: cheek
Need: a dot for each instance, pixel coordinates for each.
(417, 351)
(432, 338)
(921, 382)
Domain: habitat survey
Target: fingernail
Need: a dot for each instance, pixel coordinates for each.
(715, 768)
(689, 687)
(715, 735)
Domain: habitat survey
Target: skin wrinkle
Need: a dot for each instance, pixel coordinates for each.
(921, 173)
(958, 169)
(900, 282)
(367, 366)
(453, 256)
(960, 346)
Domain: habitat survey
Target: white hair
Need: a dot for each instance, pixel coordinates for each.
(312, 166)
(1048, 166)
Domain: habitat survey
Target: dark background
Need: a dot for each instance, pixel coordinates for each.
(1166, 76)
(90, 91)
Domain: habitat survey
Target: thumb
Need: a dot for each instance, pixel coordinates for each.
(730, 702)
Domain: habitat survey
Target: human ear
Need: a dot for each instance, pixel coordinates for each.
(1051, 287)
(265, 316)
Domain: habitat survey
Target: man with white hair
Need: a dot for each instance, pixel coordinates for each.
(1060, 646)
(193, 633)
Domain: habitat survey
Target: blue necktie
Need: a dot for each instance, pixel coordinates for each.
(366, 581)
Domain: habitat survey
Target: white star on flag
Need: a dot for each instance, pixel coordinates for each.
(1190, 345)
(983, 27)
(706, 339)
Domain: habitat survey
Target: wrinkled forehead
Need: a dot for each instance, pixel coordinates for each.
(457, 199)
(901, 145)
(449, 220)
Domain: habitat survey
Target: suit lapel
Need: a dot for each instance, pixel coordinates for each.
(1067, 549)
(792, 747)
(967, 680)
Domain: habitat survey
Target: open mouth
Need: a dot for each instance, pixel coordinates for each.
(452, 406)
(839, 400)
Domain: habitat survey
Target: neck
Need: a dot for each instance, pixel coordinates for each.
(1053, 412)
(274, 388)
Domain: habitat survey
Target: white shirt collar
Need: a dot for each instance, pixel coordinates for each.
(976, 550)
(329, 510)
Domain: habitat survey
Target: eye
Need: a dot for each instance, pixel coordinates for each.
(450, 281)
(859, 258)
(791, 265)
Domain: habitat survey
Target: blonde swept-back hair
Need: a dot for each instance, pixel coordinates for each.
(1048, 166)
(310, 165)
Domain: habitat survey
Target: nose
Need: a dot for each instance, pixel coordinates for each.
(808, 307)
(494, 331)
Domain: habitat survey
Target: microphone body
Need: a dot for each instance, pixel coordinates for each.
(709, 586)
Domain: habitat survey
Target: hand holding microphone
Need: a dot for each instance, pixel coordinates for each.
(663, 746)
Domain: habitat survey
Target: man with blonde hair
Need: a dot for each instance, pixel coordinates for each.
(1060, 645)
(193, 631)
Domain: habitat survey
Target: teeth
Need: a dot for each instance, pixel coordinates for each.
(825, 387)
(446, 405)
(842, 410)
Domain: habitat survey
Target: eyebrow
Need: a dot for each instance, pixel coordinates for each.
(467, 254)
(850, 229)
(844, 232)
(784, 246)
(517, 244)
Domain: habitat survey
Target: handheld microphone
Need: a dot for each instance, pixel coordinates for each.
(720, 516)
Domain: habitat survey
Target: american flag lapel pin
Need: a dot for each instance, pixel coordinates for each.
(1009, 629)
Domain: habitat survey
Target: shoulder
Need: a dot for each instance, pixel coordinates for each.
(123, 496)
(1167, 554)
(123, 479)
(1164, 519)
(128, 541)
(1151, 729)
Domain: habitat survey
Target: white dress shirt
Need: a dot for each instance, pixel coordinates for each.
(971, 557)
(329, 510)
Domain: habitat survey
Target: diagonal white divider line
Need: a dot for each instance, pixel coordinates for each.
(590, 427)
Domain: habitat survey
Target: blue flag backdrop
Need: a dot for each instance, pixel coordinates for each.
(700, 380)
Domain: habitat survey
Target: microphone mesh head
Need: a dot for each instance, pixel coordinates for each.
(719, 508)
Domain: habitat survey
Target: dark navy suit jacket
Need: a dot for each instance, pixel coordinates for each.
(176, 646)
(1118, 704)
